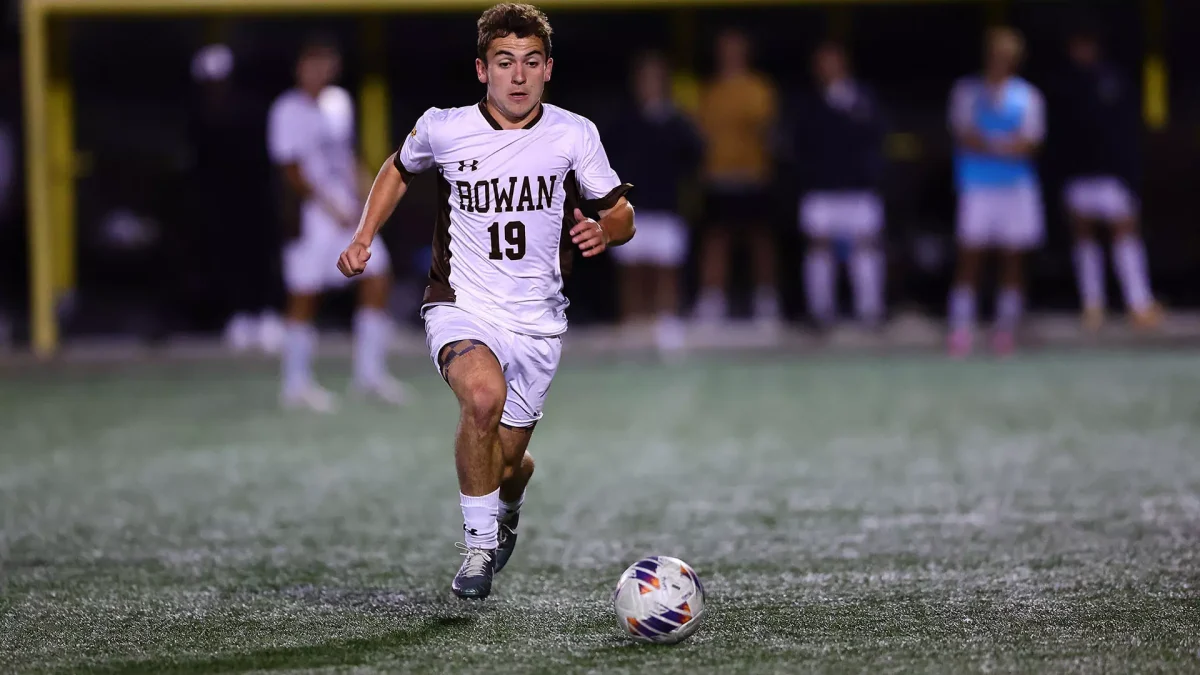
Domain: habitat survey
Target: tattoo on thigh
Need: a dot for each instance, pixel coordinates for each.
(454, 350)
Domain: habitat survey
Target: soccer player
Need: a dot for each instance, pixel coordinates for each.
(651, 265)
(310, 138)
(998, 122)
(839, 148)
(516, 177)
(1095, 119)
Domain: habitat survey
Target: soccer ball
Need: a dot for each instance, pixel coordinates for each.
(659, 599)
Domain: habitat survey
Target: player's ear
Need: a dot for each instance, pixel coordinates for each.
(481, 71)
(549, 67)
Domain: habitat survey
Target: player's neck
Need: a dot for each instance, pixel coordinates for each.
(507, 123)
(997, 78)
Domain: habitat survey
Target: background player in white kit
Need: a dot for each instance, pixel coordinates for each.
(310, 135)
(516, 177)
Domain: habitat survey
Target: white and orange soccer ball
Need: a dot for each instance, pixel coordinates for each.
(659, 599)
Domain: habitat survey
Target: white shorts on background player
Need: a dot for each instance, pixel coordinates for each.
(855, 214)
(661, 240)
(310, 260)
(528, 361)
(1008, 217)
(1103, 198)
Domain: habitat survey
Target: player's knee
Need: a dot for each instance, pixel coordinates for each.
(483, 403)
(1126, 227)
(527, 464)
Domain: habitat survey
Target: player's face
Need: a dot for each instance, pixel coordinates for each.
(1003, 55)
(651, 81)
(733, 52)
(516, 74)
(1084, 51)
(829, 65)
(318, 70)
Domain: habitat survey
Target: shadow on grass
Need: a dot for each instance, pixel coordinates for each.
(353, 652)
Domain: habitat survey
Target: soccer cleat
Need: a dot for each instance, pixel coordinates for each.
(1003, 343)
(386, 389)
(1093, 318)
(958, 345)
(508, 541)
(1148, 318)
(311, 397)
(474, 578)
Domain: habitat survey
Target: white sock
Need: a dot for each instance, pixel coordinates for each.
(479, 519)
(818, 284)
(1009, 304)
(1129, 259)
(299, 344)
(509, 509)
(766, 303)
(962, 308)
(1089, 273)
(866, 273)
(372, 331)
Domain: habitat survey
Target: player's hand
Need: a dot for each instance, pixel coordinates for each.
(588, 235)
(353, 260)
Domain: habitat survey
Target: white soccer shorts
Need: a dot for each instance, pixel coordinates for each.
(661, 240)
(1104, 198)
(1001, 217)
(853, 214)
(529, 362)
(310, 260)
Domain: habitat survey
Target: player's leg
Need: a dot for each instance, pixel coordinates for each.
(1129, 255)
(974, 237)
(1080, 198)
(712, 304)
(817, 223)
(518, 470)
(865, 219)
(530, 372)
(1021, 232)
(303, 283)
(475, 376)
(373, 332)
(669, 254)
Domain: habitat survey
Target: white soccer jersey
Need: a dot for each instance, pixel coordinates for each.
(317, 134)
(507, 198)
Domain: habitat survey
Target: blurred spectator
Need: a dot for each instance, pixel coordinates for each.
(998, 123)
(1096, 124)
(737, 115)
(839, 152)
(310, 138)
(227, 180)
(655, 147)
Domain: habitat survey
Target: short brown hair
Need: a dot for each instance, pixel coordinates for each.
(512, 18)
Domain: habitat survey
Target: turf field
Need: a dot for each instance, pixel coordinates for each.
(862, 514)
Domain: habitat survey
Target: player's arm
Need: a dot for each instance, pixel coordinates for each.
(961, 125)
(1029, 137)
(604, 194)
(391, 183)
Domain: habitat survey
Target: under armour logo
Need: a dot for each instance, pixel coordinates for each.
(470, 530)
(463, 164)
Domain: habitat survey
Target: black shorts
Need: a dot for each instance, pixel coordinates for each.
(737, 206)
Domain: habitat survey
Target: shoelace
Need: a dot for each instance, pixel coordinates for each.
(476, 559)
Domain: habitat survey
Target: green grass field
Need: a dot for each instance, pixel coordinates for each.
(862, 514)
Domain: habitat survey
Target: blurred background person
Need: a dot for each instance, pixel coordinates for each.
(998, 123)
(311, 140)
(225, 132)
(738, 112)
(1095, 110)
(838, 136)
(657, 149)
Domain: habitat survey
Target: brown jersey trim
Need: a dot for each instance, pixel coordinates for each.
(609, 200)
(439, 289)
(405, 174)
(487, 115)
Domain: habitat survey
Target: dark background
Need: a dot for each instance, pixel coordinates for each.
(135, 96)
